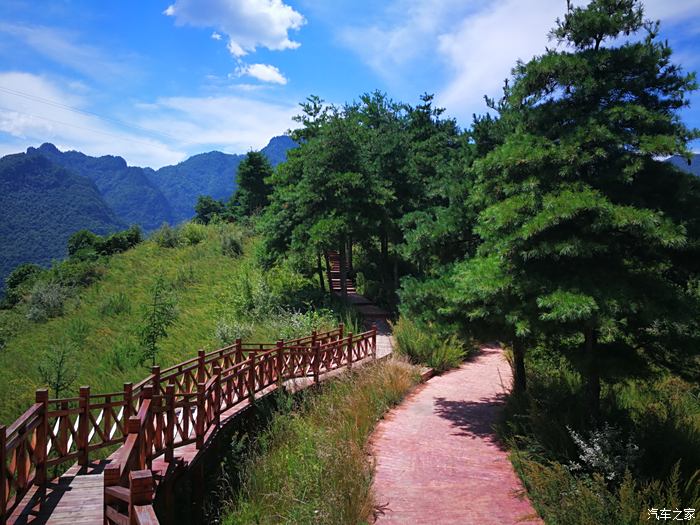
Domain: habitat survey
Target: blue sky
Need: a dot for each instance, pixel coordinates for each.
(157, 81)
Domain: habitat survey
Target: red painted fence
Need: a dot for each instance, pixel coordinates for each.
(171, 408)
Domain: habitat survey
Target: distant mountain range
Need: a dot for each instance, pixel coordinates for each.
(46, 195)
(692, 167)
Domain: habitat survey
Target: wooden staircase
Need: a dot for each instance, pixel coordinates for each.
(334, 277)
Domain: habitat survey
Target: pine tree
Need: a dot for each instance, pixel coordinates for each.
(575, 246)
(159, 314)
(252, 190)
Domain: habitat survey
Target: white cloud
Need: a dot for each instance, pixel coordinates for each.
(216, 36)
(232, 123)
(247, 23)
(29, 121)
(162, 131)
(63, 48)
(472, 46)
(263, 72)
(480, 52)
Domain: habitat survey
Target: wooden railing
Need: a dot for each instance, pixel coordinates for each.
(171, 408)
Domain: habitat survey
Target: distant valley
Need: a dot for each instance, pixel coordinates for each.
(46, 195)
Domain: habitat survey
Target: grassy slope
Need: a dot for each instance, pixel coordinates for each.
(200, 304)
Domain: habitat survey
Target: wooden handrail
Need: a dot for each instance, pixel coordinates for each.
(191, 395)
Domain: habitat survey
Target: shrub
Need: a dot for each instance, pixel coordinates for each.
(18, 283)
(76, 273)
(604, 452)
(193, 233)
(47, 300)
(231, 244)
(565, 499)
(250, 296)
(422, 346)
(116, 304)
(291, 324)
(83, 244)
(166, 236)
(226, 332)
(120, 241)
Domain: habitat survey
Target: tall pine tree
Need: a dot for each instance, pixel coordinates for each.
(574, 241)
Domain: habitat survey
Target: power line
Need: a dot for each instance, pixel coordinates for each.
(56, 104)
(80, 127)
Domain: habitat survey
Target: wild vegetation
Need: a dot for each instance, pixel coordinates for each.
(310, 465)
(62, 333)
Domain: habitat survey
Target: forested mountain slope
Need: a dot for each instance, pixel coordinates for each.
(41, 205)
(133, 197)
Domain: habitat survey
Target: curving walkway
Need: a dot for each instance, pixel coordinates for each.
(438, 459)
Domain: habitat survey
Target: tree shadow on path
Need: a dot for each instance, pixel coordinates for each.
(473, 419)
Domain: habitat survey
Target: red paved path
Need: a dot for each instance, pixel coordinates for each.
(438, 460)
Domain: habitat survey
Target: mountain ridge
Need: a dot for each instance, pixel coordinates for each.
(43, 190)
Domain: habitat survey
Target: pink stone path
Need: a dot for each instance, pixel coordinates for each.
(438, 459)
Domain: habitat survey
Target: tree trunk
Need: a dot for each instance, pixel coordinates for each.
(519, 378)
(350, 266)
(328, 272)
(592, 386)
(384, 243)
(343, 270)
(319, 269)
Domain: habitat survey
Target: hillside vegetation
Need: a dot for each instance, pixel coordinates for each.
(41, 205)
(218, 294)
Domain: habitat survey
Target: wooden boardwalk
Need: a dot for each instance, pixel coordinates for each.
(438, 459)
(159, 427)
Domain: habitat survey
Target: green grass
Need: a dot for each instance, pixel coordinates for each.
(102, 320)
(310, 465)
(422, 346)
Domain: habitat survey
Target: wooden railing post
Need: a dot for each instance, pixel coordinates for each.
(128, 404)
(374, 340)
(349, 350)
(140, 492)
(170, 424)
(314, 337)
(341, 329)
(3, 475)
(217, 395)
(239, 351)
(83, 425)
(280, 363)
(317, 364)
(201, 370)
(251, 376)
(201, 416)
(155, 372)
(42, 435)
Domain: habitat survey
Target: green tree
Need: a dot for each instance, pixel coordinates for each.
(159, 314)
(19, 282)
(207, 208)
(252, 190)
(579, 240)
(57, 370)
(83, 244)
